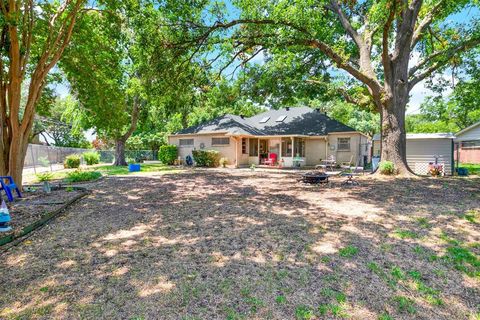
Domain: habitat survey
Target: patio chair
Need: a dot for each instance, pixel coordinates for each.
(347, 165)
(272, 159)
(8, 187)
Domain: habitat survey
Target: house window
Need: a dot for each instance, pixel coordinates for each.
(253, 150)
(343, 144)
(470, 144)
(244, 146)
(286, 147)
(220, 141)
(299, 147)
(185, 142)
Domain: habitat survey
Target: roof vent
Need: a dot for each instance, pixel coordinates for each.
(317, 109)
(287, 108)
(242, 116)
(281, 118)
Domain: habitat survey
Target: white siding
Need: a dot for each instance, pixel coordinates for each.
(420, 152)
(472, 134)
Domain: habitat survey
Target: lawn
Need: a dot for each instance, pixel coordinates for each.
(253, 245)
(473, 168)
(108, 170)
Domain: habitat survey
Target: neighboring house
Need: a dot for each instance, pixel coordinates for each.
(467, 144)
(298, 136)
(425, 148)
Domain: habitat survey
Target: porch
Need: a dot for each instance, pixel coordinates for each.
(281, 152)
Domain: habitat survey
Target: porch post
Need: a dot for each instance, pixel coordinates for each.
(293, 148)
(258, 151)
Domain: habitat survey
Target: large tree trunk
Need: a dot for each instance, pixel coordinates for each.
(120, 153)
(393, 140)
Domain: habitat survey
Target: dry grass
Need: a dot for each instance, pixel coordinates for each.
(242, 245)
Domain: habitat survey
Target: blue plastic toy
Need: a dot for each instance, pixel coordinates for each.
(8, 187)
(4, 218)
(133, 167)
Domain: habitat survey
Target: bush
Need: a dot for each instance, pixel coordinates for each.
(386, 167)
(224, 162)
(72, 161)
(44, 161)
(167, 154)
(79, 175)
(206, 158)
(91, 157)
(46, 176)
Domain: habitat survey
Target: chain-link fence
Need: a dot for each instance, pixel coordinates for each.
(40, 158)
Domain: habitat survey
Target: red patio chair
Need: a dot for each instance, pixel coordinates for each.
(272, 159)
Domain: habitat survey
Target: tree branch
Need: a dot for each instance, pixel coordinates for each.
(425, 22)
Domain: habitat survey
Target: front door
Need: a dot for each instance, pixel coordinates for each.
(263, 150)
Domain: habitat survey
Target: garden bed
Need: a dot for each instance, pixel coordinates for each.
(36, 208)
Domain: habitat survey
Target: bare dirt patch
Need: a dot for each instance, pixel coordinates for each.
(253, 245)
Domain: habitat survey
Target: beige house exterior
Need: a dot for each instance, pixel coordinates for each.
(297, 136)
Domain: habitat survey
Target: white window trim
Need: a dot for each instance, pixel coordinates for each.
(349, 144)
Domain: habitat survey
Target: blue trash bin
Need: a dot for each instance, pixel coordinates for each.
(133, 167)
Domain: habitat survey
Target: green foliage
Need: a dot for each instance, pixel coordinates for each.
(348, 251)
(405, 304)
(45, 176)
(91, 157)
(405, 234)
(168, 154)
(223, 162)
(303, 312)
(206, 158)
(79, 175)
(72, 161)
(386, 167)
(44, 161)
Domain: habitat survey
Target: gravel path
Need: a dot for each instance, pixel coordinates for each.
(250, 245)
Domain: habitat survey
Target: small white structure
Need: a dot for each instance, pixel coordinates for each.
(468, 144)
(425, 148)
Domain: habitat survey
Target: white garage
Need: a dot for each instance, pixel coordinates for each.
(424, 148)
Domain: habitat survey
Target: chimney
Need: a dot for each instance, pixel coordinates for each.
(287, 108)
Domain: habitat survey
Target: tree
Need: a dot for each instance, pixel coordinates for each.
(371, 41)
(34, 35)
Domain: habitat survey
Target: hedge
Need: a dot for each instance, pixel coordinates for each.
(72, 161)
(206, 158)
(167, 154)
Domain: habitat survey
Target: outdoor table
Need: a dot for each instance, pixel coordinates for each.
(329, 163)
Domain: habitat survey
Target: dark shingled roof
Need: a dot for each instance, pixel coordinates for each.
(298, 121)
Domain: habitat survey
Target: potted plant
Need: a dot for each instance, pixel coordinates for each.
(45, 178)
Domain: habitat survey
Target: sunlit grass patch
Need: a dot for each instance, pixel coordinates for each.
(405, 234)
(304, 312)
(404, 304)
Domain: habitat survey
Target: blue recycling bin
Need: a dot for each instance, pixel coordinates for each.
(134, 167)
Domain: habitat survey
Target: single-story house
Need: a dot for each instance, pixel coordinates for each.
(425, 148)
(467, 144)
(298, 136)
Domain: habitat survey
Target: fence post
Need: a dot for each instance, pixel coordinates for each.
(33, 160)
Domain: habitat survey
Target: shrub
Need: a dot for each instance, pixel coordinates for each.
(72, 161)
(206, 158)
(44, 161)
(79, 175)
(91, 157)
(45, 176)
(167, 154)
(386, 167)
(224, 162)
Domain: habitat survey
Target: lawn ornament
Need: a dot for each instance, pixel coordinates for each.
(189, 160)
(4, 218)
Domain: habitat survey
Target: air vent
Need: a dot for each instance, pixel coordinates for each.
(264, 119)
(281, 118)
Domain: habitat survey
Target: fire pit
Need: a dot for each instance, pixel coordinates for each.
(314, 177)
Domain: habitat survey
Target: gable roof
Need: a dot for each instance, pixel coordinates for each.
(468, 129)
(285, 121)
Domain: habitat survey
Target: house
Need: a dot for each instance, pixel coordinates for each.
(425, 148)
(467, 144)
(298, 136)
